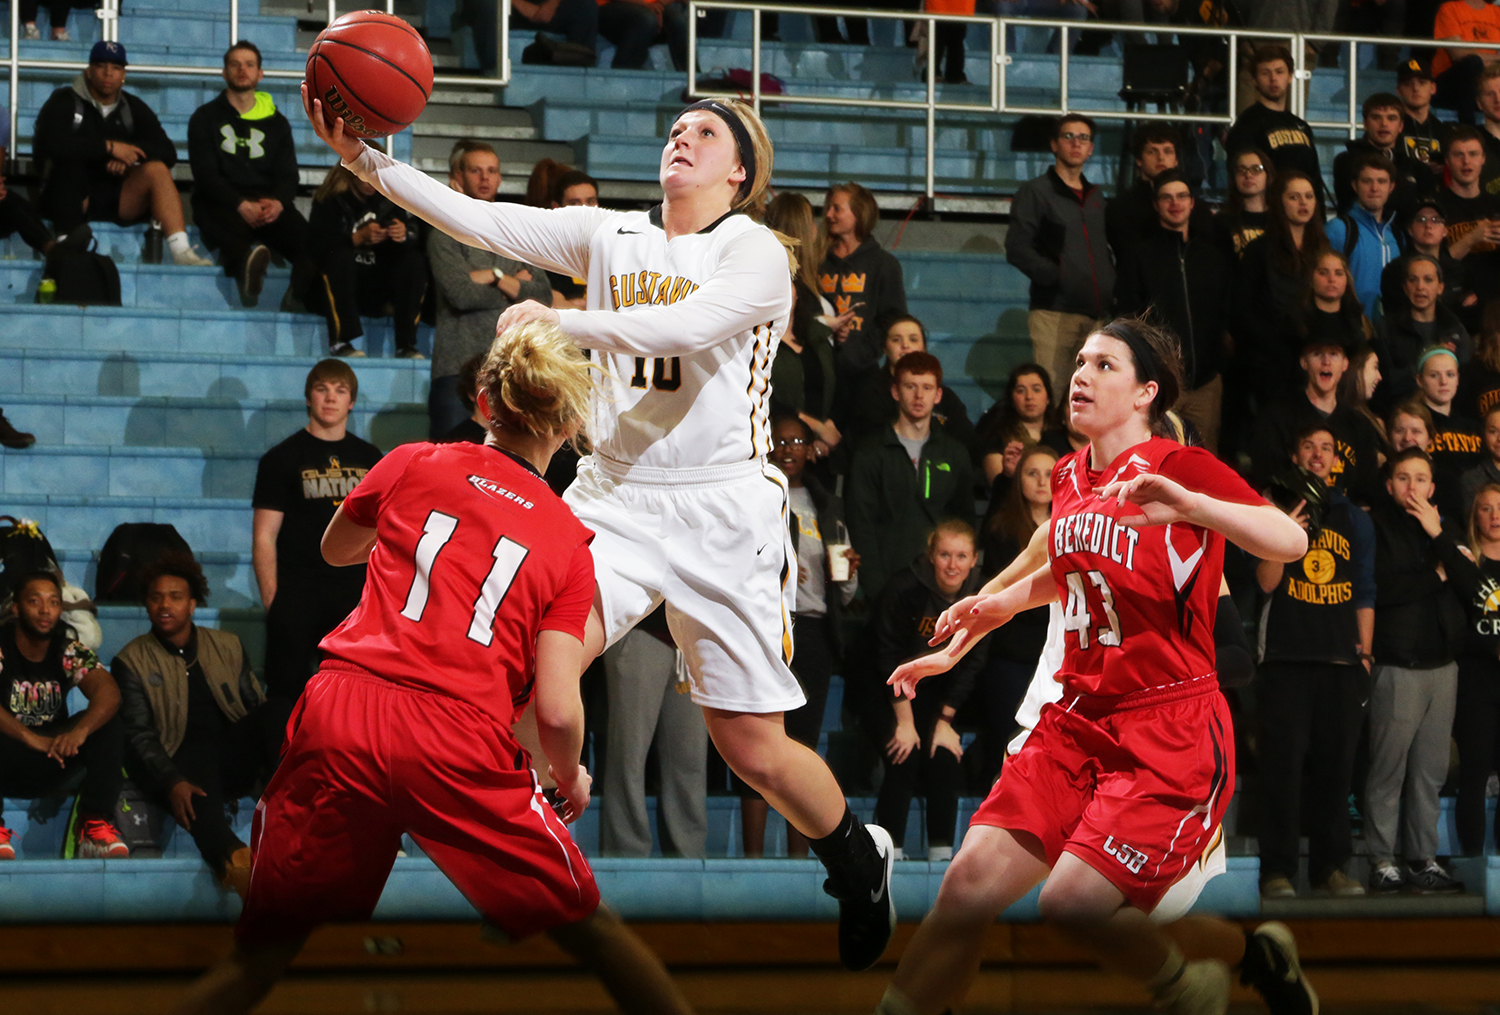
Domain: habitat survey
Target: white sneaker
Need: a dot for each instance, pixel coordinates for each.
(61, 35)
(1202, 989)
(31, 31)
(190, 258)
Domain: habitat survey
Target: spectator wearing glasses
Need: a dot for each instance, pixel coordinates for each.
(1456, 69)
(1245, 218)
(1383, 123)
(1058, 239)
(1427, 234)
(1267, 125)
(1186, 278)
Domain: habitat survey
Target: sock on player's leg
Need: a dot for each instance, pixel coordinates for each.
(895, 1003)
(849, 854)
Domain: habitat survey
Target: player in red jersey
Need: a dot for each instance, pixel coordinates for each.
(480, 581)
(1123, 783)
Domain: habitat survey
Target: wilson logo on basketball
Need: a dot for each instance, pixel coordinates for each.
(1132, 858)
(352, 120)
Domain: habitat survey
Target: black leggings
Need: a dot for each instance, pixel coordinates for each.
(939, 774)
(226, 231)
(348, 288)
(1476, 728)
(18, 215)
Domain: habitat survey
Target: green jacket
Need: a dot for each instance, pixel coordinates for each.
(892, 507)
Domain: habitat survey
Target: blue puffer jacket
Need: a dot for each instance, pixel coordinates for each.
(1376, 245)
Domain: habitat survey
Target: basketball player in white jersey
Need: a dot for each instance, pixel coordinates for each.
(686, 305)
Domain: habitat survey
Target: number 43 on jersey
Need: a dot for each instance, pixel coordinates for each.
(1077, 616)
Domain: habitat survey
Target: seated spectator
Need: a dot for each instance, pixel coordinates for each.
(57, 10)
(1244, 219)
(906, 477)
(634, 26)
(1411, 176)
(1267, 125)
(918, 738)
(1423, 135)
(541, 185)
(299, 484)
(245, 178)
(1479, 379)
(870, 407)
(107, 158)
(1026, 417)
(1456, 442)
(1418, 627)
(1014, 649)
(1476, 726)
(862, 281)
(1186, 279)
(18, 215)
(817, 526)
(474, 286)
(573, 189)
(1315, 655)
(1479, 476)
(804, 380)
(1472, 214)
(43, 748)
(370, 260)
(1275, 272)
(1424, 323)
(199, 730)
(472, 429)
(1057, 240)
(649, 703)
(1130, 216)
(1366, 234)
(577, 21)
(1456, 69)
(1427, 235)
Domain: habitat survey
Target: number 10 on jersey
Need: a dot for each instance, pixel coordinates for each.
(1076, 614)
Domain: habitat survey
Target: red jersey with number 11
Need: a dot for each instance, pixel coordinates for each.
(1139, 601)
(474, 557)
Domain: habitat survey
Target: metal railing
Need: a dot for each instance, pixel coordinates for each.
(109, 17)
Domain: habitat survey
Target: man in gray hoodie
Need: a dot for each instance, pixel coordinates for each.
(1057, 239)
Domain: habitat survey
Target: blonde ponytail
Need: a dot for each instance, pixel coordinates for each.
(537, 381)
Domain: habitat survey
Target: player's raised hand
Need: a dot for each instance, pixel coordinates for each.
(572, 793)
(332, 134)
(969, 620)
(524, 312)
(1158, 499)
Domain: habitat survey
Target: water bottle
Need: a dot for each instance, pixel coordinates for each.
(47, 291)
(151, 248)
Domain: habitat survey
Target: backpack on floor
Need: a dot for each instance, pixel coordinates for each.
(23, 549)
(126, 554)
(83, 278)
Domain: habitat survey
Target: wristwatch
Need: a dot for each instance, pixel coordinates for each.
(499, 275)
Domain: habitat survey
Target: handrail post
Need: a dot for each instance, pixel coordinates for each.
(234, 21)
(13, 113)
(692, 53)
(333, 11)
(931, 108)
(1353, 102)
(1232, 74)
(1062, 72)
(502, 39)
(755, 61)
(997, 66)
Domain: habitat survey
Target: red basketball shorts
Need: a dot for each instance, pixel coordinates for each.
(366, 760)
(1136, 792)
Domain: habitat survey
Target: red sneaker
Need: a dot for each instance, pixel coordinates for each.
(98, 840)
(7, 851)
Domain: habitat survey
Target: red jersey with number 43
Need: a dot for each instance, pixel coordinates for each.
(1139, 601)
(474, 557)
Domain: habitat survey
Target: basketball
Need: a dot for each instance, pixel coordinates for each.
(372, 70)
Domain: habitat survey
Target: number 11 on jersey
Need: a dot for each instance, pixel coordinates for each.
(508, 554)
(1076, 615)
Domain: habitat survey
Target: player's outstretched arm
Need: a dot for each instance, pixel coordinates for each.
(559, 717)
(1259, 529)
(345, 543)
(972, 619)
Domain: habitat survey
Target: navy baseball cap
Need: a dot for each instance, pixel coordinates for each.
(1414, 67)
(108, 52)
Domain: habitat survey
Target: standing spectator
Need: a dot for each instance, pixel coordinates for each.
(918, 739)
(57, 10)
(948, 40)
(1424, 323)
(473, 286)
(199, 730)
(473, 429)
(816, 520)
(648, 702)
(869, 408)
(18, 215)
(1188, 280)
(1427, 235)
(1316, 636)
(1472, 214)
(1477, 477)
(861, 280)
(1456, 69)
(1267, 125)
(106, 157)
(573, 189)
(1131, 216)
(1456, 442)
(298, 486)
(1410, 175)
(1023, 415)
(1057, 238)
(1476, 728)
(1366, 234)
(42, 747)
(803, 375)
(634, 26)
(1275, 274)
(1246, 217)
(1423, 135)
(369, 256)
(907, 477)
(245, 178)
(1418, 625)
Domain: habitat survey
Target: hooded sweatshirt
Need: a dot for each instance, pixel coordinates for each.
(1376, 245)
(72, 127)
(241, 156)
(872, 276)
(905, 615)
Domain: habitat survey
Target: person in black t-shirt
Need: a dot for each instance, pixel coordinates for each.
(1423, 135)
(299, 485)
(42, 747)
(1315, 641)
(1267, 126)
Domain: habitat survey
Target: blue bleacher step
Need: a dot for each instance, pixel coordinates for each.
(244, 425)
(43, 371)
(123, 471)
(144, 286)
(86, 522)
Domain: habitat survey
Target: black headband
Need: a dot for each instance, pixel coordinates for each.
(1148, 365)
(741, 137)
